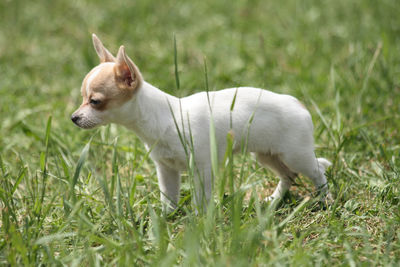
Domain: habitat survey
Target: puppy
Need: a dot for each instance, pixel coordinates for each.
(276, 128)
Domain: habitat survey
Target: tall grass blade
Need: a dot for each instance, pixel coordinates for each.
(43, 155)
(180, 135)
(43, 163)
(232, 107)
(78, 169)
(114, 168)
(18, 181)
(206, 82)
(213, 149)
(178, 86)
(368, 75)
(229, 164)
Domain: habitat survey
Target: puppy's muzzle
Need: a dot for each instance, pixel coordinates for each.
(75, 119)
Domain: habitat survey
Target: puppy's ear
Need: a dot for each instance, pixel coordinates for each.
(102, 52)
(127, 74)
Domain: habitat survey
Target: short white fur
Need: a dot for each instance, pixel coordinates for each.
(280, 135)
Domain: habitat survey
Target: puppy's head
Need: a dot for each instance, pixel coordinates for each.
(107, 87)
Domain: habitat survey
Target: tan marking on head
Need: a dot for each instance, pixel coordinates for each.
(100, 84)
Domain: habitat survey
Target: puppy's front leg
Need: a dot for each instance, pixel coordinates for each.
(169, 183)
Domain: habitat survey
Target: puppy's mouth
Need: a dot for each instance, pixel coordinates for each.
(86, 126)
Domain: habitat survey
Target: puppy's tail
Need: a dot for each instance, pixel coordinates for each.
(323, 164)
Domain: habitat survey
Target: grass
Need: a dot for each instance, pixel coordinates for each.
(72, 197)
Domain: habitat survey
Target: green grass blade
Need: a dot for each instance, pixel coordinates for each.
(232, 107)
(180, 134)
(293, 213)
(18, 181)
(206, 82)
(213, 149)
(178, 86)
(78, 169)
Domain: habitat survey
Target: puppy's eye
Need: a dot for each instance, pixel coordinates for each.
(95, 102)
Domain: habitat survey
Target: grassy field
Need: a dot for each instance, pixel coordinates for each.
(74, 197)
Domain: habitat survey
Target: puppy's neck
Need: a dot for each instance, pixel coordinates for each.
(148, 113)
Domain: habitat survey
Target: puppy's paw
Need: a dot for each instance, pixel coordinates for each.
(327, 198)
(271, 199)
(168, 208)
(323, 201)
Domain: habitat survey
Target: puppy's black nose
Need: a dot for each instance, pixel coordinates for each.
(75, 118)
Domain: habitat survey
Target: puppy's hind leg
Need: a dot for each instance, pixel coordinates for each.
(274, 163)
(306, 163)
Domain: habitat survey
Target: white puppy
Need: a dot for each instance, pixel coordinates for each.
(277, 128)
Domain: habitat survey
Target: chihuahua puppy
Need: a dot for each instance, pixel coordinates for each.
(276, 128)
